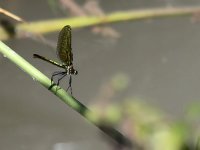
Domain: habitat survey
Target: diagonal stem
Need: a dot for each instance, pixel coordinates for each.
(76, 105)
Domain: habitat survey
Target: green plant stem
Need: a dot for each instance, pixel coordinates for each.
(47, 26)
(62, 94)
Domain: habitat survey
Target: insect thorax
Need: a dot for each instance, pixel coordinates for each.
(70, 70)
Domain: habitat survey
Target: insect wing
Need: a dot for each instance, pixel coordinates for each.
(64, 50)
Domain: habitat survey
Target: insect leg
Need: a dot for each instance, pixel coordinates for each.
(52, 77)
(55, 74)
(61, 78)
(70, 84)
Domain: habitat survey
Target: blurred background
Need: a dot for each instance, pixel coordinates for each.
(150, 66)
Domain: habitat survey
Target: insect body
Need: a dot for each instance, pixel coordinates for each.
(64, 52)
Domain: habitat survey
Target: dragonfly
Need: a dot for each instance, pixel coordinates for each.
(64, 53)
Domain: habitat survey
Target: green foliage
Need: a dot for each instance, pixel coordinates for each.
(193, 111)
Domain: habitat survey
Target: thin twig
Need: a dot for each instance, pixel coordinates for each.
(90, 8)
(11, 15)
(47, 26)
(35, 36)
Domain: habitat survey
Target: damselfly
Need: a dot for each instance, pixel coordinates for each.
(64, 52)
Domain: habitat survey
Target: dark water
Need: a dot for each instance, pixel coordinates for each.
(160, 56)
